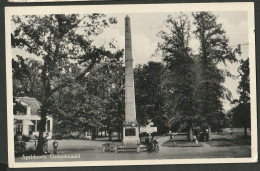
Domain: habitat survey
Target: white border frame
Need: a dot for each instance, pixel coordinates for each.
(140, 8)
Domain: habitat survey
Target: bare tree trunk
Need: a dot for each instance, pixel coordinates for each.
(93, 134)
(209, 134)
(119, 135)
(43, 110)
(245, 131)
(41, 127)
(190, 134)
(110, 135)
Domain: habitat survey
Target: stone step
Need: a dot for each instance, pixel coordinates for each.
(130, 150)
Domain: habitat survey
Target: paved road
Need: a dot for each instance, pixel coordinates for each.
(87, 152)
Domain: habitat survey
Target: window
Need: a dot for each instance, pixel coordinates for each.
(48, 125)
(18, 129)
(19, 109)
(130, 132)
(34, 125)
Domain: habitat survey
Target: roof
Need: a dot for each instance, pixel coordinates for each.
(32, 102)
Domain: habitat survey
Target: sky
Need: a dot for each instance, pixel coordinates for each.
(145, 27)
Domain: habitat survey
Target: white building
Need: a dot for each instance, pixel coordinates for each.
(26, 120)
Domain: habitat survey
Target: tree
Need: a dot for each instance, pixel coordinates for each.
(57, 40)
(77, 109)
(94, 103)
(149, 95)
(213, 50)
(115, 101)
(177, 56)
(244, 84)
(241, 113)
(26, 81)
(26, 77)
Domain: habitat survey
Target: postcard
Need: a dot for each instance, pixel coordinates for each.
(144, 84)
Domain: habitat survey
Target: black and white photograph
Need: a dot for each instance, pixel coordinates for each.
(131, 84)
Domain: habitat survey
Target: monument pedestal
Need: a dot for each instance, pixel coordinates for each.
(131, 140)
(131, 137)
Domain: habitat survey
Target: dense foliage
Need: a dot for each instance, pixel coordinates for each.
(149, 95)
(241, 113)
(214, 49)
(93, 104)
(177, 57)
(195, 82)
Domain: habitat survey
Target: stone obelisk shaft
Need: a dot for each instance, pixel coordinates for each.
(130, 111)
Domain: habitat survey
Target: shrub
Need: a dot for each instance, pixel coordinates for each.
(19, 147)
(57, 137)
(26, 152)
(25, 138)
(30, 151)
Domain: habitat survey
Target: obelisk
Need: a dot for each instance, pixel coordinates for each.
(130, 111)
(131, 138)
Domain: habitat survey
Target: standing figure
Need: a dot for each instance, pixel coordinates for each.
(55, 146)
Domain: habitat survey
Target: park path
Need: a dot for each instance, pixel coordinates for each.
(205, 145)
(161, 140)
(92, 151)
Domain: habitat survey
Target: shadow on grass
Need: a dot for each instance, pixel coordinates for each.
(180, 143)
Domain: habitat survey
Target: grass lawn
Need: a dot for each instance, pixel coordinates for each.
(232, 141)
(181, 143)
(219, 143)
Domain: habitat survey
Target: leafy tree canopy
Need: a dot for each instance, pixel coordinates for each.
(64, 43)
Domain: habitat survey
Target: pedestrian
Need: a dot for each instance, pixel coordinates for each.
(170, 132)
(207, 134)
(55, 146)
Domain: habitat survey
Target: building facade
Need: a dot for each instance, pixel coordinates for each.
(27, 118)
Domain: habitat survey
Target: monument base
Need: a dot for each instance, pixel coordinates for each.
(131, 140)
(131, 136)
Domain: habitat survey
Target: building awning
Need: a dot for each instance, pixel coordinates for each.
(27, 122)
